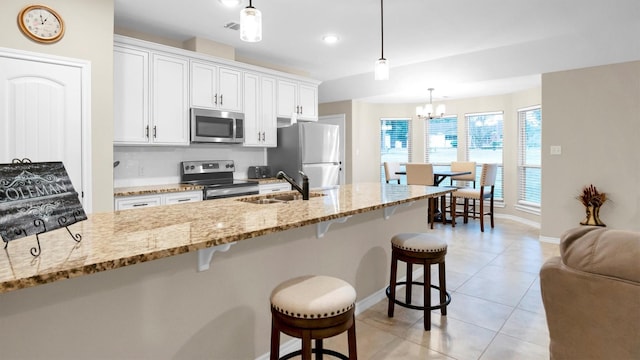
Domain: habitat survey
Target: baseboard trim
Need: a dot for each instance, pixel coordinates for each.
(531, 223)
(549, 239)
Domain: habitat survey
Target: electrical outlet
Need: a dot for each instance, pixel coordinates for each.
(555, 150)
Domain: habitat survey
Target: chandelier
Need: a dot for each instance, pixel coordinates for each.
(427, 110)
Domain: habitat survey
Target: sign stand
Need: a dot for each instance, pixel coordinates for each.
(36, 198)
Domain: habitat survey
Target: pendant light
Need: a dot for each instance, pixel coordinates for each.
(427, 110)
(250, 24)
(382, 64)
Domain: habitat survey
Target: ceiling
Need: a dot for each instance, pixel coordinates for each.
(462, 48)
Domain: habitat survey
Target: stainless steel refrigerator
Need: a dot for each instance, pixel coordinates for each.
(312, 148)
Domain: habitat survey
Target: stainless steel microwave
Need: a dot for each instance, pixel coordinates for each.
(215, 126)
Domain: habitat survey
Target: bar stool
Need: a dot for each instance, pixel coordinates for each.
(313, 307)
(423, 249)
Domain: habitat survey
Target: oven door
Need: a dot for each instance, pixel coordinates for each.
(214, 126)
(219, 192)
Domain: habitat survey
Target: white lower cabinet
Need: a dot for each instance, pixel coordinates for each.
(273, 187)
(135, 202)
(182, 197)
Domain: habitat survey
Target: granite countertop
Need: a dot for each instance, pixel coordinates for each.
(116, 239)
(168, 188)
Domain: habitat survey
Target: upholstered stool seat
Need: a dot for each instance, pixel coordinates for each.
(313, 307)
(422, 249)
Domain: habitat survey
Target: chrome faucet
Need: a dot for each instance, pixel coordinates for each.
(305, 183)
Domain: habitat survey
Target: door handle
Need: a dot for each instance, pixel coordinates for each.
(215, 99)
(154, 131)
(220, 99)
(146, 131)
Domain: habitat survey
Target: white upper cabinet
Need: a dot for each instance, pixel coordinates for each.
(298, 99)
(260, 123)
(130, 95)
(170, 100)
(216, 87)
(151, 99)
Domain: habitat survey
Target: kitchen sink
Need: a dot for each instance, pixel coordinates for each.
(278, 199)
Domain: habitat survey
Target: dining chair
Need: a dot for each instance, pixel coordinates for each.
(422, 174)
(484, 191)
(462, 181)
(390, 169)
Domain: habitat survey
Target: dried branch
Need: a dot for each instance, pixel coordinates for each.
(591, 197)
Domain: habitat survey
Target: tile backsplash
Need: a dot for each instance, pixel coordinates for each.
(157, 165)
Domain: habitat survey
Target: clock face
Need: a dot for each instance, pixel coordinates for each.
(41, 23)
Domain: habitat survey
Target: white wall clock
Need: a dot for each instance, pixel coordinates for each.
(41, 23)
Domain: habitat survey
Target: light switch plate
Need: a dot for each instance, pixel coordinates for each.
(555, 150)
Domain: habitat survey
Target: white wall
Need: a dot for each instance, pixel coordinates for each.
(594, 115)
(157, 165)
(88, 36)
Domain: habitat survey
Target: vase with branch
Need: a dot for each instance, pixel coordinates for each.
(592, 200)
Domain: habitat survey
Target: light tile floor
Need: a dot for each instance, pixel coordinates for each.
(496, 309)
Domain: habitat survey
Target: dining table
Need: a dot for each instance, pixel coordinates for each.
(438, 177)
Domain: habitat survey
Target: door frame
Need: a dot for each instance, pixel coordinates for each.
(85, 111)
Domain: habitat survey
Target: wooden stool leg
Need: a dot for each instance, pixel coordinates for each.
(353, 350)
(275, 341)
(392, 283)
(443, 288)
(427, 296)
(409, 282)
(306, 345)
(319, 348)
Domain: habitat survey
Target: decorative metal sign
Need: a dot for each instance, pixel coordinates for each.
(36, 198)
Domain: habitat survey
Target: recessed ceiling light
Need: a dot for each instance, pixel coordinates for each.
(330, 38)
(230, 3)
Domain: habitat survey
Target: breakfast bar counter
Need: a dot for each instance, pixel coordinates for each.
(122, 238)
(134, 278)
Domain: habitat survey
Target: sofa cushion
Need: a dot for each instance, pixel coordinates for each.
(597, 250)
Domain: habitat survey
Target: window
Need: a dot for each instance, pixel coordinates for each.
(529, 157)
(395, 142)
(484, 144)
(441, 141)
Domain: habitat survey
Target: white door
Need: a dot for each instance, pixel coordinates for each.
(42, 114)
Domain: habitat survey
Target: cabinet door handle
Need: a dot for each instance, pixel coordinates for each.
(215, 99)
(146, 131)
(183, 200)
(155, 132)
(300, 109)
(258, 135)
(220, 99)
(263, 137)
(140, 204)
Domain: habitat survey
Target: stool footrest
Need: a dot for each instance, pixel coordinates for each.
(315, 351)
(417, 307)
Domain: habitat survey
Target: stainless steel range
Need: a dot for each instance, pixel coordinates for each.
(217, 178)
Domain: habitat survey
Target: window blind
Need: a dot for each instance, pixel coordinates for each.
(529, 156)
(484, 135)
(441, 140)
(395, 142)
